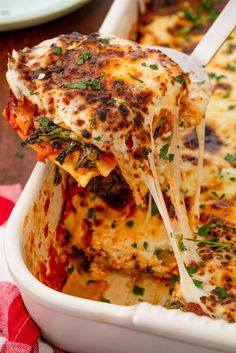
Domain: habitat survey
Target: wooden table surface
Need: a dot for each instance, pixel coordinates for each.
(16, 162)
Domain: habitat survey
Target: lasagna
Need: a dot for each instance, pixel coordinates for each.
(114, 115)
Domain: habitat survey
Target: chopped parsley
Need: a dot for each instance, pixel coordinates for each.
(213, 244)
(232, 107)
(191, 270)
(197, 283)
(201, 263)
(58, 51)
(193, 17)
(232, 179)
(104, 41)
(92, 122)
(180, 79)
(130, 223)
(80, 61)
(181, 245)
(230, 48)
(80, 85)
(202, 205)
(217, 77)
(91, 212)
(70, 269)
(98, 138)
(105, 300)
(138, 290)
(143, 64)
(230, 158)
(204, 230)
(220, 292)
(154, 67)
(136, 78)
(32, 93)
(164, 153)
(43, 122)
(154, 209)
(134, 245)
(95, 84)
(119, 101)
(174, 279)
(145, 245)
(230, 67)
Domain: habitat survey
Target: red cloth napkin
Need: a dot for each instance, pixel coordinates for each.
(18, 332)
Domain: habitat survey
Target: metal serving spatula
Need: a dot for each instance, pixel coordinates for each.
(208, 46)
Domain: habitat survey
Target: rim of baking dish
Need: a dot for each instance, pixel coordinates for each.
(144, 317)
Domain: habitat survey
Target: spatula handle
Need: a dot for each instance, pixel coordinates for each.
(216, 35)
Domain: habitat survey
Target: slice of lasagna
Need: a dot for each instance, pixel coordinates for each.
(89, 103)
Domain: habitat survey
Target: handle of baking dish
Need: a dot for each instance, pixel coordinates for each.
(216, 35)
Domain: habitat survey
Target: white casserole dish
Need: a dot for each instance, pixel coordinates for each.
(84, 326)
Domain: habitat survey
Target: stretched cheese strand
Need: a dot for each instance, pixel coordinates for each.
(149, 211)
(190, 292)
(200, 129)
(177, 196)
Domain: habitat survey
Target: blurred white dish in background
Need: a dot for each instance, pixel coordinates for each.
(16, 14)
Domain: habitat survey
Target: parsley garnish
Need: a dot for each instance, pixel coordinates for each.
(220, 292)
(95, 84)
(138, 290)
(70, 269)
(154, 209)
(181, 245)
(43, 122)
(202, 206)
(143, 64)
(92, 122)
(105, 300)
(134, 245)
(136, 78)
(104, 41)
(230, 48)
(191, 16)
(164, 153)
(80, 61)
(180, 79)
(58, 51)
(154, 67)
(174, 279)
(230, 67)
(204, 230)
(197, 283)
(91, 212)
(217, 77)
(119, 101)
(230, 158)
(213, 244)
(130, 223)
(191, 270)
(32, 93)
(98, 138)
(232, 107)
(145, 245)
(80, 85)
